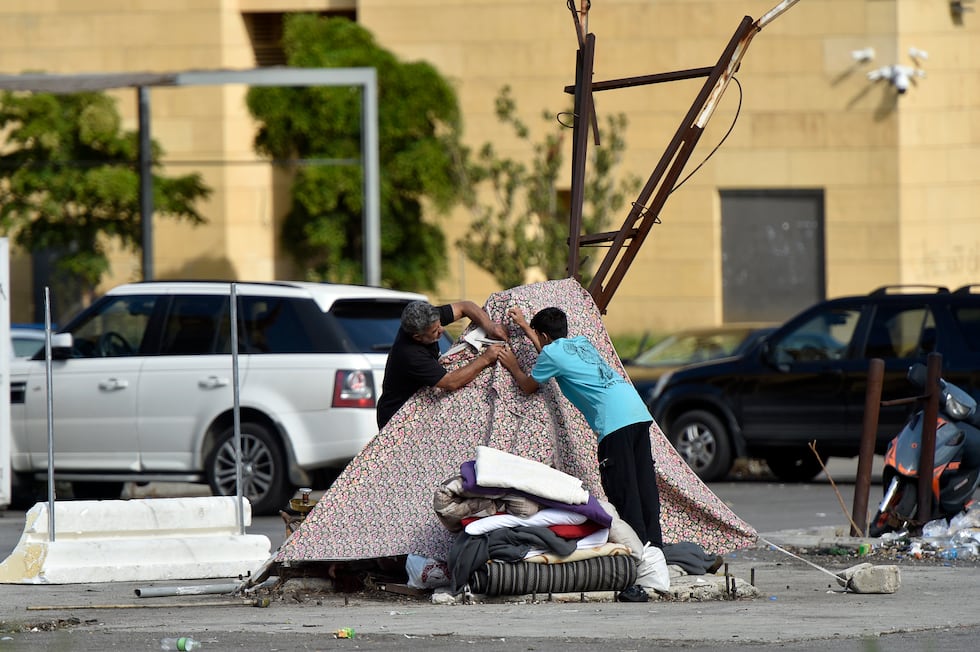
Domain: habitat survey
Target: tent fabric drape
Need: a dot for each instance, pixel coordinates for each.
(381, 504)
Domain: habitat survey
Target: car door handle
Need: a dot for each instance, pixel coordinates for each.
(212, 382)
(112, 384)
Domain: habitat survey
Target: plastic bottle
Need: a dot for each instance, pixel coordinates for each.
(183, 643)
(958, 552)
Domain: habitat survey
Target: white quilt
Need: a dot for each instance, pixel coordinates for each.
(497, 468)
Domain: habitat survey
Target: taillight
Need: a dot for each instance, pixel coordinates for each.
(353, 389)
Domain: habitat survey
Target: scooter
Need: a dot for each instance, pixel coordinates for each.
(956, 465)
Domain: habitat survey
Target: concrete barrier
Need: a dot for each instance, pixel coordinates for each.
(135, 540)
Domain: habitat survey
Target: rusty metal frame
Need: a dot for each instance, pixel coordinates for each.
(624, 244)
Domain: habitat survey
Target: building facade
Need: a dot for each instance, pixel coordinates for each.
(849, 150)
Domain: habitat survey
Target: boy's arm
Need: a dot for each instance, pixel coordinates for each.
(527, 384)
(518, 316)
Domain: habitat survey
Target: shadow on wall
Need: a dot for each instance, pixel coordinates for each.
(219, 269)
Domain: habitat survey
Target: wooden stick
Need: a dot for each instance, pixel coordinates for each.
(840, 499)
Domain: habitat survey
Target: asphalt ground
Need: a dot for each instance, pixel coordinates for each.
(798, 606)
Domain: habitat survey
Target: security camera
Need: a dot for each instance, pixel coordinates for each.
(901, 80)
(918, 56)
(899, 76)
(863, 55)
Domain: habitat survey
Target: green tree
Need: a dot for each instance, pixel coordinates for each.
(418, 133)
(69, 182)
(527, 226)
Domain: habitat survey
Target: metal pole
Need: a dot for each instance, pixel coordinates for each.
(371, 181)
(869, 433)
(146, 182)
(927, 454)
(201, 589)
(233, 319)
(49, 384)
(584, 113)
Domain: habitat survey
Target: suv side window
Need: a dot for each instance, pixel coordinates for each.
(826, 336)
(272, 325)
(900, 332)
(968, 321)
(192, 327)
(114, 328)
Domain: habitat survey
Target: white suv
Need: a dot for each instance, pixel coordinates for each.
(143, 388)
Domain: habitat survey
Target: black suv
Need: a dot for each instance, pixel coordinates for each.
(807, 380)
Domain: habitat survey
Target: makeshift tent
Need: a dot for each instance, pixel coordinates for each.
(381, 505)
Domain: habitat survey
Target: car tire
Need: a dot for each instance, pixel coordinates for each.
(796, 465)
(702, 441)
(107, 490)
(265, 478)
(24, 491)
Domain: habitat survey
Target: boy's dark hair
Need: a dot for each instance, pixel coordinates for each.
(550, 321)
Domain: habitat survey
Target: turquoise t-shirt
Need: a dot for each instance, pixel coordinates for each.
(607, 400)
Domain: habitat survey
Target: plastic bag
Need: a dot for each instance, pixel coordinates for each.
(652, 572)
(425, 573)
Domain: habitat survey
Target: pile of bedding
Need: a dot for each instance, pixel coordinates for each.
(524, 527)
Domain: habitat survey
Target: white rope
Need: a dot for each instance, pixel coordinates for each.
(805, 561)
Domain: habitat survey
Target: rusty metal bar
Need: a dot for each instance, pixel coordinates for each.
(644, 80)
(665, 174)
(869, 435)
(775, 12)
(599, 238)
(584, 115)
(927, 453)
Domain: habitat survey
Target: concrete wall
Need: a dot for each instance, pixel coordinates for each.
(899, 173)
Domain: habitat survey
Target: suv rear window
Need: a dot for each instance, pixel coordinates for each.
(370, 324)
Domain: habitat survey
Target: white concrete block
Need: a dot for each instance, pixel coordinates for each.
(135, 540)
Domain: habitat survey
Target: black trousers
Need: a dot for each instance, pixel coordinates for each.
(629, 479)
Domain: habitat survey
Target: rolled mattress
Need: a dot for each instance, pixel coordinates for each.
(607, 573)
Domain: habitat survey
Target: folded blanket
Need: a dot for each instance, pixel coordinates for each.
(691, 557)
(607, 549)
(592, 509)
(544, 518)
(597, 538)
(496, 468)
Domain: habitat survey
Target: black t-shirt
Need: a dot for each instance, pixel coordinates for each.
(411, 365)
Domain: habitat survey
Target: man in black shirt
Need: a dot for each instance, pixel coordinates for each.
(413, 361)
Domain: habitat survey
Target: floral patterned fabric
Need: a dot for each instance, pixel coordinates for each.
(381, 505)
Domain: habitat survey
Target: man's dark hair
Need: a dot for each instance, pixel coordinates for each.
(552, 322)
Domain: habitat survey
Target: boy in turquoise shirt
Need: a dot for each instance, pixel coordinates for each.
(610, 404)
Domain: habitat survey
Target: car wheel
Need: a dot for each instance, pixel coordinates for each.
(24, 491)
(265, 480)
(702, 441)
(796, 465)
(96, 490)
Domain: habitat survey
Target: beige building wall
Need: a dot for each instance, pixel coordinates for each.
(899, 173)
